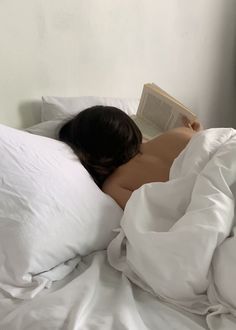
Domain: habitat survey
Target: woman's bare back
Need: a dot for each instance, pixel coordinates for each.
(152, 164)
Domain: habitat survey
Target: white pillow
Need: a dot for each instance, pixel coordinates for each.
(61, 107)
(48, 128)
(50, 211)
(56, 110)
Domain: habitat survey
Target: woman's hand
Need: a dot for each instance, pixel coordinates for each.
(195, 126)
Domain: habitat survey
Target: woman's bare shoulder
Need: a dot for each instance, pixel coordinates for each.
(125, 179)
(113, 187)
(132, 175)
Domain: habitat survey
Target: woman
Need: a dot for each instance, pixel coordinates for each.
(109, 145)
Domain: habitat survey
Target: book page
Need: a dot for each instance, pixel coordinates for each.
(177, 117)
(148, 130)
(161, 91)
(160, 110)
(156, 111)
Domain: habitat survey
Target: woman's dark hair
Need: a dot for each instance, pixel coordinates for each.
(103, 138)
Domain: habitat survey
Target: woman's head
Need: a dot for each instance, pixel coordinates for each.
(104, 138)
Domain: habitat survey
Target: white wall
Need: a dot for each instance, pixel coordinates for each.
(110, 48)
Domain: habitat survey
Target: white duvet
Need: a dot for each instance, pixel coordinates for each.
(177, 239)
(94, 296)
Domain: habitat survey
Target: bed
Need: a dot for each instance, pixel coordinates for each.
(71, 259)
(95, 296)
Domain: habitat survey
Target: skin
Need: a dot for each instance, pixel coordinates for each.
(151, 164)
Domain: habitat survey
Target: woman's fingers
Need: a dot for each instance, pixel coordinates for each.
(186, 122)
(196, 125)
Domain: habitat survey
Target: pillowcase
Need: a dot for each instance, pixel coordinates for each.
(56, 110)
(50, 211)
(48, 128)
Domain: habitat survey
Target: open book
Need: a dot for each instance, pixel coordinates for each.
(159, 112)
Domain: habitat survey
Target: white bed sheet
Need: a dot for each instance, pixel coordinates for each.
(95, 296)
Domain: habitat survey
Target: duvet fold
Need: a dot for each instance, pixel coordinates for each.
(177, 239)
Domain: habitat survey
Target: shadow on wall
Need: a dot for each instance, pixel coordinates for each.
(234, 85)
(222, 112)
(30, 113)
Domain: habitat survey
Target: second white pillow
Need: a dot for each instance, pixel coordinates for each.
(56, 110)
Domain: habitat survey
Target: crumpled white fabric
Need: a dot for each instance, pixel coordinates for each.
(177, 239)
(51, 212)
